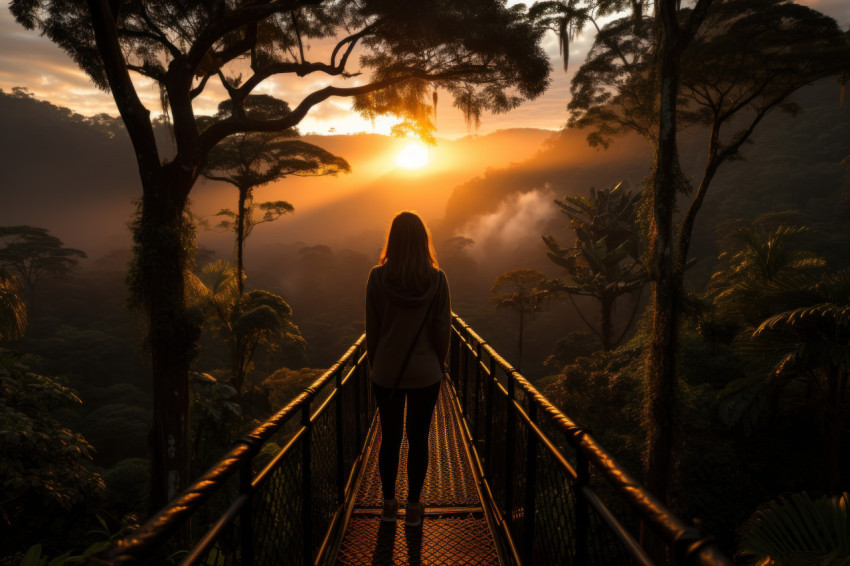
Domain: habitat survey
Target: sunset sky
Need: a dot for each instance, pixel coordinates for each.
(30, 61)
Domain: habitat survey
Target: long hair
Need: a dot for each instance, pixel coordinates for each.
(408, 254)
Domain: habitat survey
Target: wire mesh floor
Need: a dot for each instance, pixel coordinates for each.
(454, 530)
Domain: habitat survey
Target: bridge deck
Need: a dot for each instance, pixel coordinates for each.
(454, 530)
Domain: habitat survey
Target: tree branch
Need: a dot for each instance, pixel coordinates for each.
(242, 16)
(136, 117)
(234, 124)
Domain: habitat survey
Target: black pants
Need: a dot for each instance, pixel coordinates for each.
(420, 407)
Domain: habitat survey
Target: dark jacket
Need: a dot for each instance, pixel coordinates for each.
(393, 317)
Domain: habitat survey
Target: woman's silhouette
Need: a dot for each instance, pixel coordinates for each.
(408, 318)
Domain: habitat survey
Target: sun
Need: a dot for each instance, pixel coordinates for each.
(413, 156)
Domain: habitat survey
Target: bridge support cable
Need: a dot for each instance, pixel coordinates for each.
(275, 494)
(512, 480)
(558, 496)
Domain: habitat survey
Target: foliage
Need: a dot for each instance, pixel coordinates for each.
(285, 384)
(576, 344)
(104, 535)
(271, 211)
(13, 310)
(815, 332)
(256, 319)
(795, 331)
(521, 290)
(592, 388)
(43, 461)
(496, 72)
(117, 430)
(255, 159)
(748, 55)
(800, 531)
(216, 415)
(32, 252)
(604, 262)
(568, 18)
(764, 257)
(127, 483)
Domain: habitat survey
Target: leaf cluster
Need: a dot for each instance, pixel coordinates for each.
(43, 460)
(31, 252)
(522, 290)
(605, 258)
(485, 54)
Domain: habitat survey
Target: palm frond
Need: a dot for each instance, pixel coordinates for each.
(797, 529)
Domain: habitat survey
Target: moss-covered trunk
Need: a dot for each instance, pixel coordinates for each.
(162, 241)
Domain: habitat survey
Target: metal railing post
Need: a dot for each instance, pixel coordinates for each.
(488, 411)
(464, 381)
(340, 453)
(510, 446)
(306, 487)
(246, 516)
(358, 410)
(454, 359)
(581, 510)
(476, 417)
(530, 485)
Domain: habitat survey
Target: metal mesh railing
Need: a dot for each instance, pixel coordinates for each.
(281, 494)
(250, 508)
(546, 477)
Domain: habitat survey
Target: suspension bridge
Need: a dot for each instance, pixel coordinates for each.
(511, 481)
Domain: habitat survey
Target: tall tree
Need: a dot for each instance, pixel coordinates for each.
(404, 48)
(604, 262)
(746, 60)
(32, 253)
(715, 64)
(521, 290)
(254, 159)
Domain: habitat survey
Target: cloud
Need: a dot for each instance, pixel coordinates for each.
(516, 223)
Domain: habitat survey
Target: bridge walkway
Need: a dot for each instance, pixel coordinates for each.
(455, 529)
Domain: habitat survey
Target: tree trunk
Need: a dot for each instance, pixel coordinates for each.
(607, 310)
(162, 237)
(661, 370)
(240, 239)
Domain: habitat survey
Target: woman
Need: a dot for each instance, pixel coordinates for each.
(408, 318)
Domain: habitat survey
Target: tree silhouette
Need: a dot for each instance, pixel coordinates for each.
(32, 253)
(604, 263)
(521, 290)
(250, 160)
(744, 62)
(245, 321)
(405, 50)
(705, 63)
